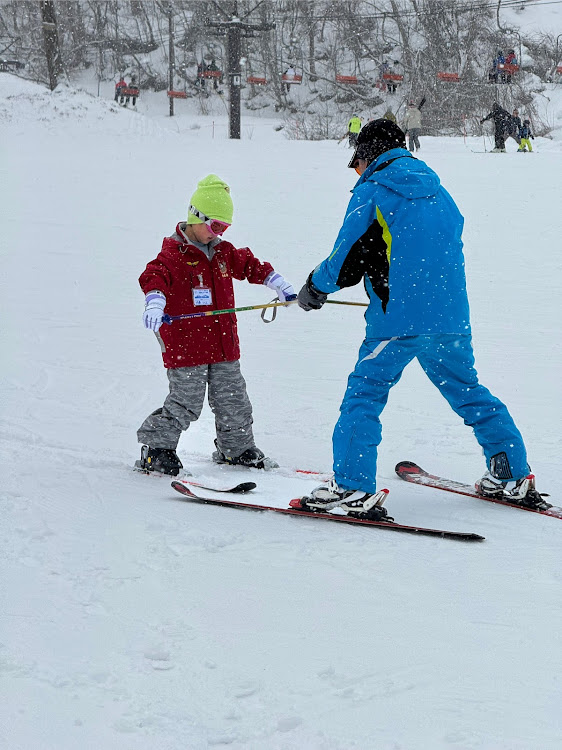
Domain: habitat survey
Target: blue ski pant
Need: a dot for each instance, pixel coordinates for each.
(448, 361)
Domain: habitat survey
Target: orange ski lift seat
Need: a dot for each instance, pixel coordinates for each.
(291, 79)
(130, 91)
(346, 79)
(509, 69)
(177, 95)
(210, 74)
(393, 77)
(256, 80)
(448, 77)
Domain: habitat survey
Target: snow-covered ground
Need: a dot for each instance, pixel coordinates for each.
(130, 620)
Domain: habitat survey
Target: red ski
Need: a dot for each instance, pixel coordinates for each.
(292, 511)
(411, 472)
(237, 489)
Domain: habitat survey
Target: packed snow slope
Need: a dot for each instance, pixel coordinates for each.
(130, 620)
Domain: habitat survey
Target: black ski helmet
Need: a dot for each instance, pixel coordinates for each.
(377, 137)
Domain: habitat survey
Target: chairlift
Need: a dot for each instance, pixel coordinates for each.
(505, 71)
(346, 79)
(177, 94)
(256, 80)
(508, 68)
(289, 79)
(393, 77)
(448, 77)
(559, 70)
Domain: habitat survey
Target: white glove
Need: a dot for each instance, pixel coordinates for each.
(154, 310)
(284, 290)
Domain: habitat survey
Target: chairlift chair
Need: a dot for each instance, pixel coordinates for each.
(291, 79)
(506, 71)
(393, 77)
(448, 77)
(508, 68)
(346, 79)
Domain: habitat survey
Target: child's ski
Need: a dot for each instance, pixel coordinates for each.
(420, 530)
(237, 488)
(411, 472)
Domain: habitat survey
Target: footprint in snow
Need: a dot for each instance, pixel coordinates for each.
(159, 658)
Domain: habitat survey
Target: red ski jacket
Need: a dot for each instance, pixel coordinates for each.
(179, 269)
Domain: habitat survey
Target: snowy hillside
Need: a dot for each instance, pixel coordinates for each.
(130, 620)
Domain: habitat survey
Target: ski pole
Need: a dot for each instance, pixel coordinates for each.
(344, 302)
(169, 319)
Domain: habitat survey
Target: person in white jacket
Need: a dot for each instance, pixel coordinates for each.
(412, 125)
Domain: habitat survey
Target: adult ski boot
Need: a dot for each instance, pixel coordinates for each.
(159, 460)
(355, 503)
(520, 492)
(252, 458)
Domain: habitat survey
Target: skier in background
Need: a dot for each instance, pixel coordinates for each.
(514, 127)
(510, 60)
(214, 68)
(389, 115)
(119, 87)
(353, 129)
(524, 135)
(201, 69)
(499, 62)
(193, 273)
(401, 237)
(289, 77)
(412, 124)
(502, 125)
(133, 90)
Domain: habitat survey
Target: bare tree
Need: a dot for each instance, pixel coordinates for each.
(52, 49)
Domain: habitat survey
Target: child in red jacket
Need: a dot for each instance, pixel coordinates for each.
(193, 273)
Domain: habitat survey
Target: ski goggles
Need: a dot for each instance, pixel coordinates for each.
(215, 226)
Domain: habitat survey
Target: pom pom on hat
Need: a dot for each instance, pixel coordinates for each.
(211, 198)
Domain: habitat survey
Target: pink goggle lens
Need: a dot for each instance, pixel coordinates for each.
(217, 227)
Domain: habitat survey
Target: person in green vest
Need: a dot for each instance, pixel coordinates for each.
(353, 128)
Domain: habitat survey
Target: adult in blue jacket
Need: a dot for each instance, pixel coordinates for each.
(401, 236)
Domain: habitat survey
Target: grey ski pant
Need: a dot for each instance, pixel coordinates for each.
(413, 137)
(228, 400)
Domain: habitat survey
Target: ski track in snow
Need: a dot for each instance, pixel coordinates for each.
(130, 619)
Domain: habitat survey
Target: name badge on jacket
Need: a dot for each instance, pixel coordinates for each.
(202, 295)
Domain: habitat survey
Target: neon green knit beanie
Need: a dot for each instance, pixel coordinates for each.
(211, 198)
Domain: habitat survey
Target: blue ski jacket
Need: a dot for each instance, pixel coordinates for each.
(402, 236)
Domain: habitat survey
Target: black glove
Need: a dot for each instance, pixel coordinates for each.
(533, 137)
(311, 298)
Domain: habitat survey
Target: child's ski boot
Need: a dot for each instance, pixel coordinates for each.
(159, 460)
(252, 458)
(355, 503)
